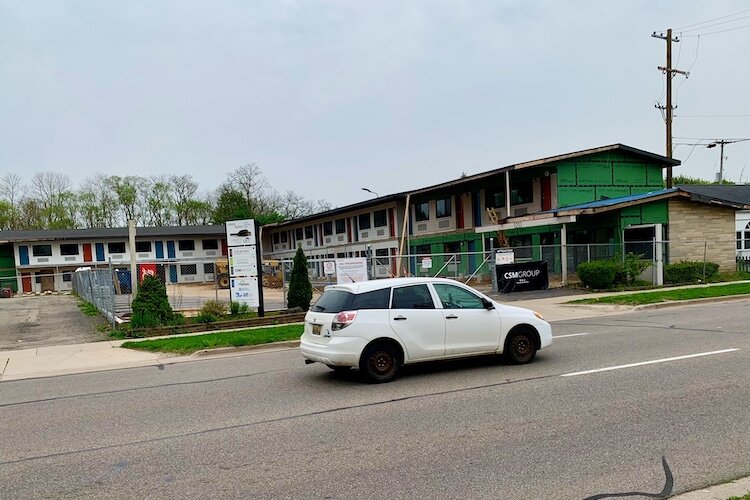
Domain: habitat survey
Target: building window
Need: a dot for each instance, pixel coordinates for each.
(67, 277)
(443, 207)
(188, 269)
(69, 249)
(521, 192)
(423, 250)
(521, 246)
(364, 221)
(298, 233)
(143, 246)
(208, 268)
(340, 226)
(41, 250)
(747, 238)
(117, 247)
(327, 228)
(422, 211)
(275, 238)
(210, 244)
(308, 232)
(494, 197)
(380, 218)
(186, 245)
(454, 249)
(739, 240)
(284, 236)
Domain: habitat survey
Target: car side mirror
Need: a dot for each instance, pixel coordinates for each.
(487, 304)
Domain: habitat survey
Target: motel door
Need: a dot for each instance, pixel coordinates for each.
(48, 280)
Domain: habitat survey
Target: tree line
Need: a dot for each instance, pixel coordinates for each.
(50, 201)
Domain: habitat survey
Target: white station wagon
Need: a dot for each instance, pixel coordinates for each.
(380, 325)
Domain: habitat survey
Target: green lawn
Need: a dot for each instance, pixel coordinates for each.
(670, 295)
(191, 343)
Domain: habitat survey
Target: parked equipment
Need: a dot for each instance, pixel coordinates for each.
(6, 293)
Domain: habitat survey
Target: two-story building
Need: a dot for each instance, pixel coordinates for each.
(37, 261)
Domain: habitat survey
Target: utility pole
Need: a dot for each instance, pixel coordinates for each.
(721, 143)
(668, 71)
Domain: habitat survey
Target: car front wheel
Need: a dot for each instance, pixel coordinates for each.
(379, 363)
(520, 347)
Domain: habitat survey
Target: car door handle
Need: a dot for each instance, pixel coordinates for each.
(399, 318)
(451, 316)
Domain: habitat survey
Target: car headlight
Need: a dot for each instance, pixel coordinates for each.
(539, 315)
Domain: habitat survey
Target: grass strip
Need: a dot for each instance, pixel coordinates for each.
(670, 295)
(191, 343)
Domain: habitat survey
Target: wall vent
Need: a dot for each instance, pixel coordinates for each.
(328, 240)
(520, 211)
(444, 223)
(381, 232)
(211, 252)
(116, 256)
(187, 254)
(143, 256)
(365, 234)
(42, 259)
(421, 227)
(341, 238)
(70, 259)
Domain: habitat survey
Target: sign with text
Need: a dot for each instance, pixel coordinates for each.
(522, 277)
(329, 268)
(503, 257)
(351, 270)
(427, 263)
(240, 232)
(245, 290)
(243, 261)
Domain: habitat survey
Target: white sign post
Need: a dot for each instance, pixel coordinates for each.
(245, 285)
(351, 270)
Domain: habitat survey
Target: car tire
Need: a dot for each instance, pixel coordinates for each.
(339, 369)
(379, 363)
(520, 347)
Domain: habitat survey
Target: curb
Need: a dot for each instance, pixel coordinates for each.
(706, 300)
(737, 487)
(258, 347)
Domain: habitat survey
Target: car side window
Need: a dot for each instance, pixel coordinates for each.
(454, 297)
(377, 299)
(412, 297)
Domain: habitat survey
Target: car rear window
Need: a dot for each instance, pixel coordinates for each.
(377, 299)
(333, 301)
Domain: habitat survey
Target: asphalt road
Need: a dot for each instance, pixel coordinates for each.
(265, 425)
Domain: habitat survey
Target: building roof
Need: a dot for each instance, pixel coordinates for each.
(479, 177)
(110, 233)
(739, 194)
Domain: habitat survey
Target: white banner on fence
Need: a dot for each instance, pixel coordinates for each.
(426, 262)
(243, 261)
(245, 290)
(351, 270)
(503, 257)
(240, 232)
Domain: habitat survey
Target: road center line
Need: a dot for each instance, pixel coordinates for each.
(642, 363)
(569, 335)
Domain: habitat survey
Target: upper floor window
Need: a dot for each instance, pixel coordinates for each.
(328, 228)
(443, 207)
(494, 197)
(186, 245)
(210, 244)
(521, 192)
(275, 238)
(69, 249)
(380, 218)
(41, 250)
(340, 226)
(143, 246)
(116, 247)
(422, 211)
(308, 232)
(284, 237)
(298, 233)
(364, 221)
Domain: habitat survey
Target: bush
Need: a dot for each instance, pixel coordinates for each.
(630, 269)
(300, 289)
(151, 306)
(239, 308)
(598, 274)
(690, 272)
(212, 311)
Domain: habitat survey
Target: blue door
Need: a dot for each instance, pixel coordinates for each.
(100, 252)
(170, 250)
(173, 272)
(159, 245)
(23, 254)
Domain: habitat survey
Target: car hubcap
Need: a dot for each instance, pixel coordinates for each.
(381, 362)
(523, 346)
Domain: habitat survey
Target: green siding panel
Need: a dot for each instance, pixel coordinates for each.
(641, 189)
(654, 213)
(567, 196)
(654, 176)
(611, 192)
(628, 174)
(566, 174)
(594, 174)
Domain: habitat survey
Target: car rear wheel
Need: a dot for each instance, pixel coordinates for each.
(520, 347)
(380, 363)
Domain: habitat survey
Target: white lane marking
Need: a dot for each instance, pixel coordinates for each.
(642, 363)
(568, 335)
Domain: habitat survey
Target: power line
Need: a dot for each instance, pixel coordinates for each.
(710, 116)
(711, 20)
(712, 25)
(717, 32)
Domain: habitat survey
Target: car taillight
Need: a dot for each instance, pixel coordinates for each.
(342, 320)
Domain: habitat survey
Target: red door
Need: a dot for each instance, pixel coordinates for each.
(26, 282)
(459, 212)
(87, 252)
(546, 194)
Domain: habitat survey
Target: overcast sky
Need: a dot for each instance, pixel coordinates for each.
(327, 97)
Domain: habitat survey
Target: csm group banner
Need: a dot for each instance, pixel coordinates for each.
(522, 277)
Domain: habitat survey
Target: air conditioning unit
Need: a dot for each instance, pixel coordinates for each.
(187, 254)
(365, 234)
(421, 227)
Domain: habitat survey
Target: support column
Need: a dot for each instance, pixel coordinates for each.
(507, 193)
(564, 253)
(133, 265)
(659, 254)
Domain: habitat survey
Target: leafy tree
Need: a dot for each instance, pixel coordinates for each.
(151, 306)
(231, 205)
(683, 179)
(300, 289)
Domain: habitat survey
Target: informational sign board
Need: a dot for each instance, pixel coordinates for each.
(240, 232)
(329, 268)
(503, 257)
(427, 263)
(522, 277)
(243, 261)
(351, 270)
(245, 290)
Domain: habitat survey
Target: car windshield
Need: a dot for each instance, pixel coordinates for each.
(333, 301)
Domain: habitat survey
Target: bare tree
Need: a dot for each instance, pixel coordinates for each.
(183, 192)
(98, 202)
(12, 191)
(158, 202)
